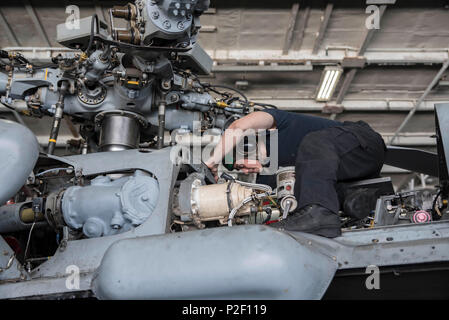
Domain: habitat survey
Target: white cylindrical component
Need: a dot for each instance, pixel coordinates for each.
(285, 181)
(215, 200)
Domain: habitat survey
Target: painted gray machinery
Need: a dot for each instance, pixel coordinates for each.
(123, 212)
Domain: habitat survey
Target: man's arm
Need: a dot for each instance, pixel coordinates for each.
(236, 131)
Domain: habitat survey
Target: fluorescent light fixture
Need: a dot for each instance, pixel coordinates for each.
(329, 80)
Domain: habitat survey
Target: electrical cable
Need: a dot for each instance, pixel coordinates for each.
(229, 88)
(8, 106)
(29, 238)
(264, 105)
(92, 31)
(257, 186)
(53, 169)
(434, 203)
(211, 88)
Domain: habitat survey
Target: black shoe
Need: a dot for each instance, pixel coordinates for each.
(313, 219)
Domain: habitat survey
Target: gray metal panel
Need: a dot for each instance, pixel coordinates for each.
(197, 60)
(385, 246)
(10, 268)
(244, 262)
(86, 254)
(442, 111)
(71, 37)
(19, 151)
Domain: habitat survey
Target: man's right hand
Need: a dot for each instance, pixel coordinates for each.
(214, 169)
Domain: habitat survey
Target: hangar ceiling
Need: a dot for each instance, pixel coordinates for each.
(276, 52)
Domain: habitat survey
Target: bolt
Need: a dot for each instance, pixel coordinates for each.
(144, 198)
(166, 84)
(155, 14)
(167, 24)
(180, 25)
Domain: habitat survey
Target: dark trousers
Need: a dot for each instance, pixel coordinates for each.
(350, 152)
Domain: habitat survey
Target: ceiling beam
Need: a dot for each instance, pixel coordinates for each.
(401, 56)
(370, 33)
(262, 68)
(37, 23)
(302, 26)
(324, 22)
(405, 140)
(300, 103)
(349, 77)
(291, 28)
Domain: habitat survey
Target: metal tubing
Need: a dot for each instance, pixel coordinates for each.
(421, 99)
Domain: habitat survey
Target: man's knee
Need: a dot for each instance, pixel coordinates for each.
(317, 144)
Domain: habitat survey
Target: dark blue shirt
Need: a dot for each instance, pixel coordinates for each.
(291, 130)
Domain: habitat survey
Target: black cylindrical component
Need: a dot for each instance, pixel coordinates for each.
(161, 127)
(57, 120)
(119, 133)
(54, 130)
(120, 130)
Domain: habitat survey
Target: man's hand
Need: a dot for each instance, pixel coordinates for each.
(256, 121)
(213, 169)
(244, 165)
(248, 166)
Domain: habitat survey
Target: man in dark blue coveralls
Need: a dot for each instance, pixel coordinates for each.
(323, 152)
